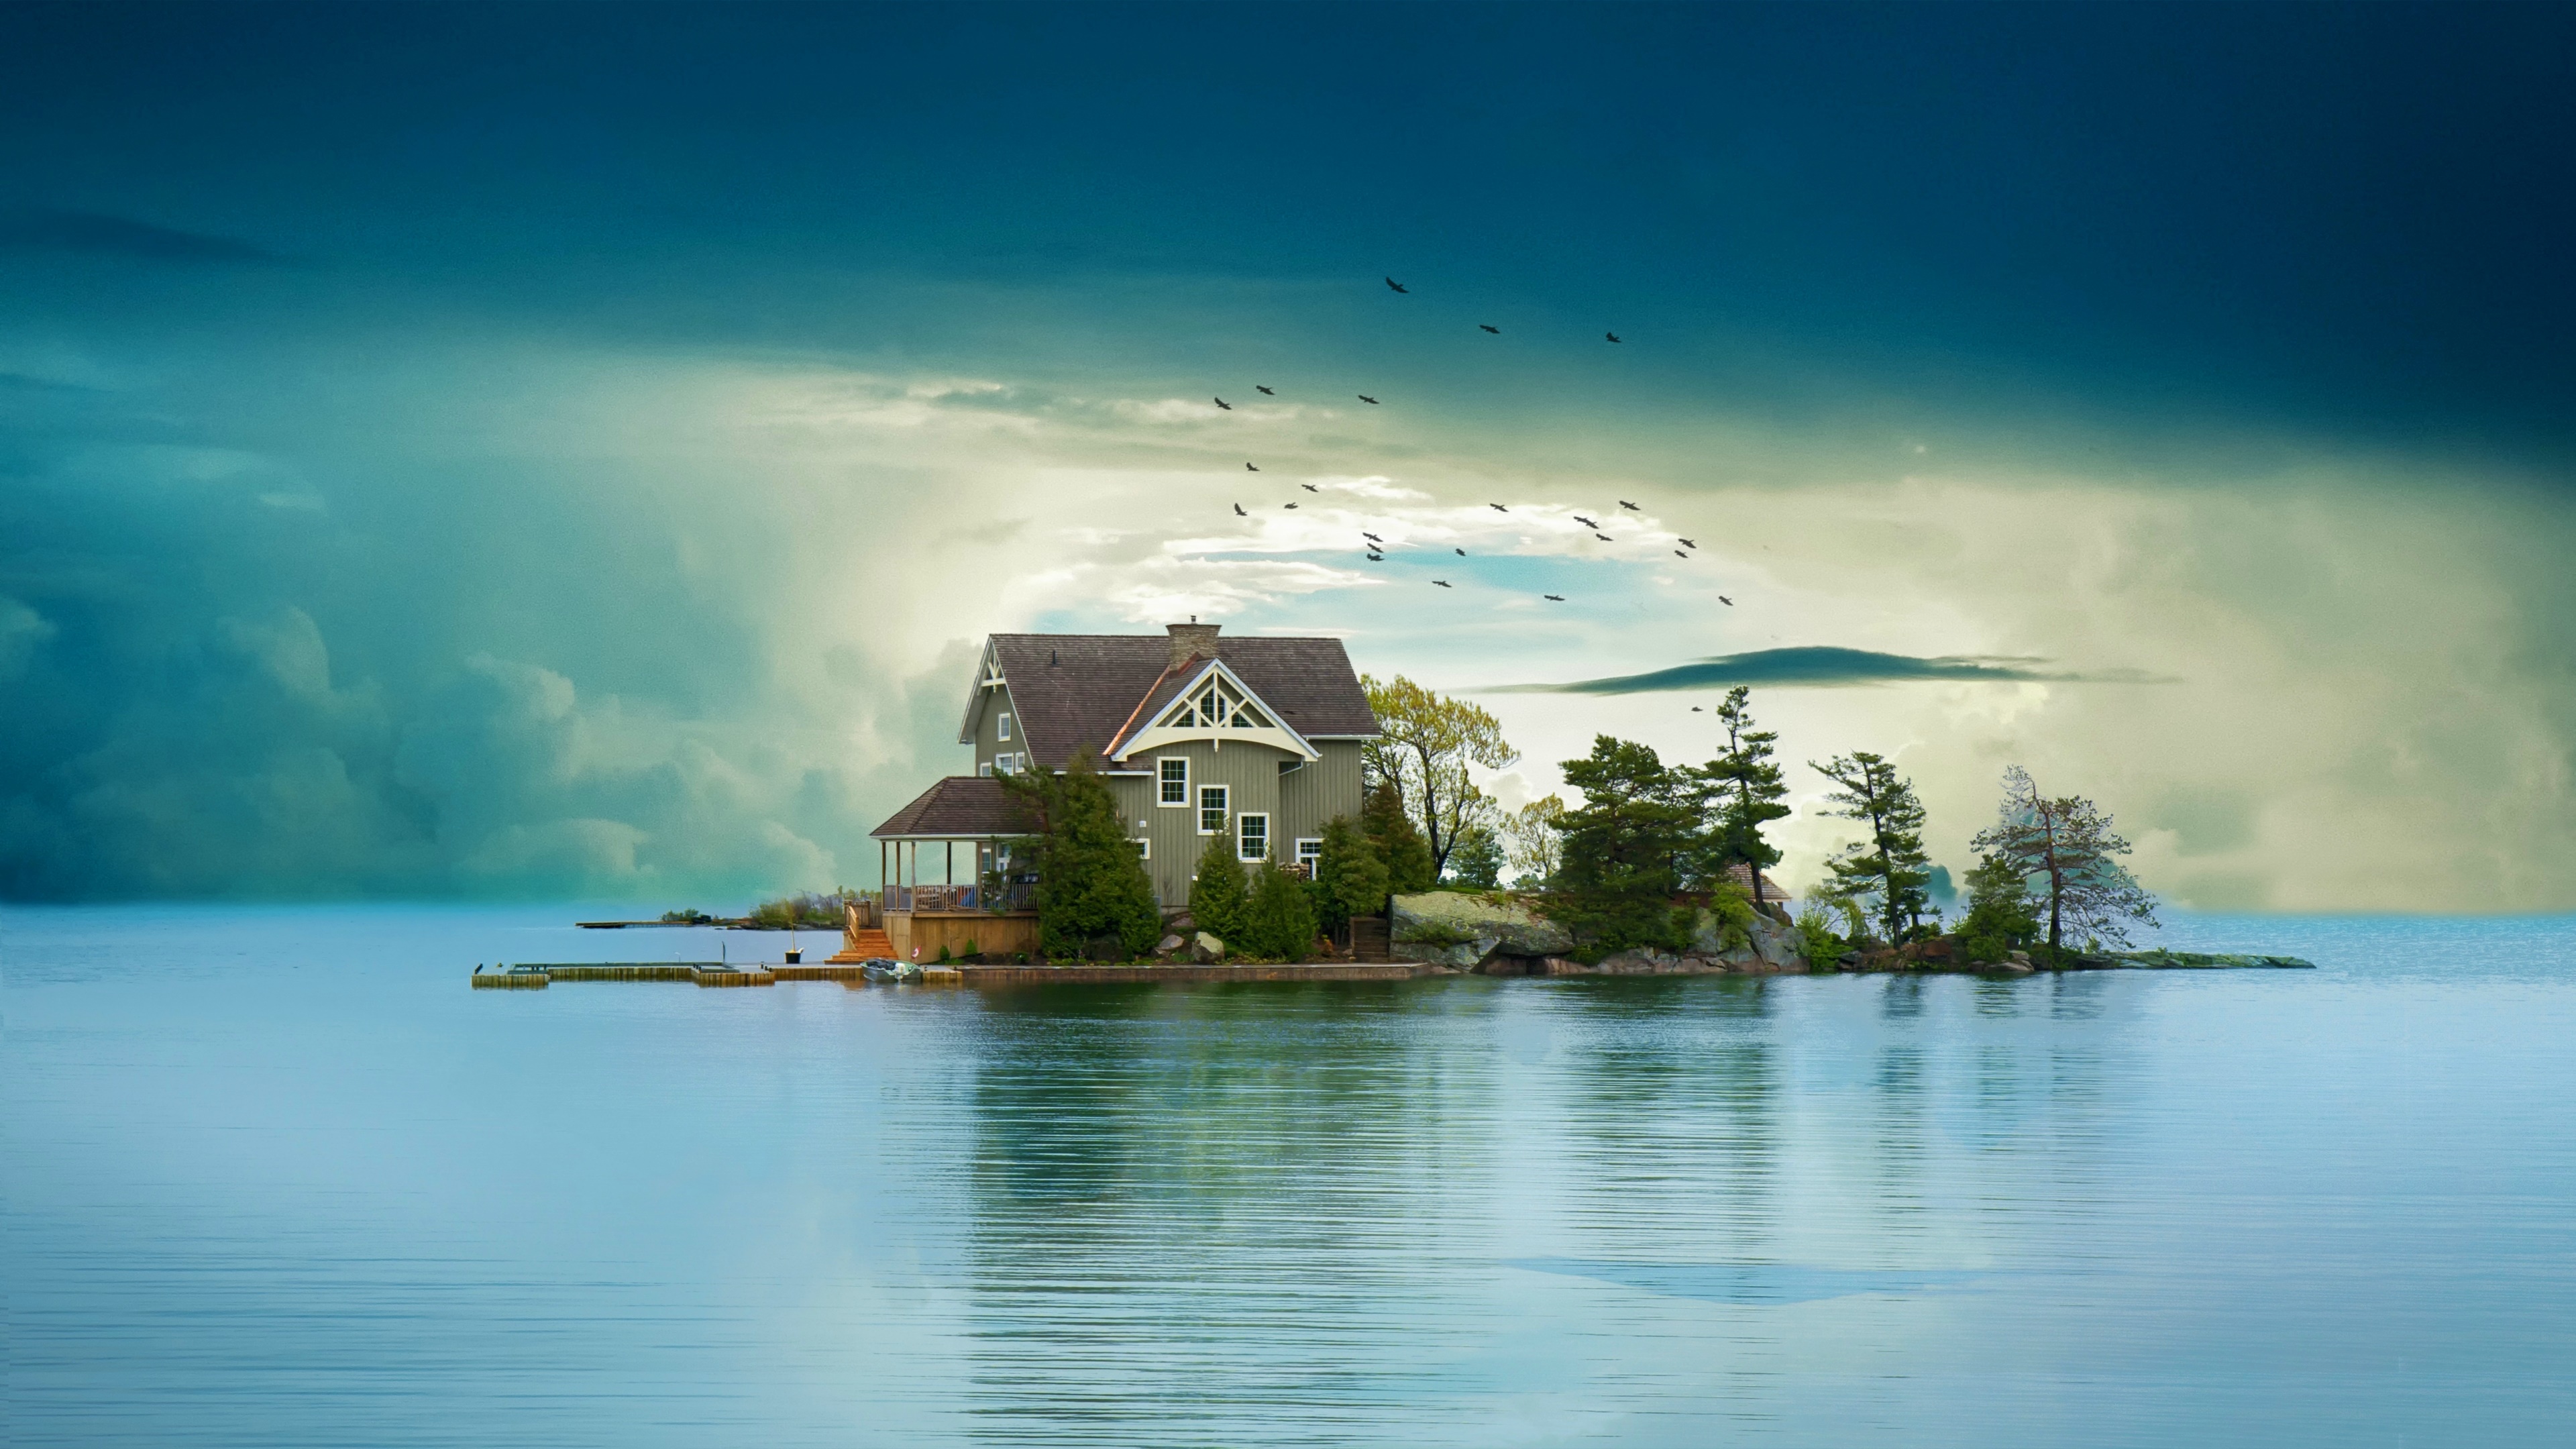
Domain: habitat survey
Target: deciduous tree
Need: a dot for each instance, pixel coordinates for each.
(1425, 743)
(2066, 849)
(1531, 843)
(1889, 867)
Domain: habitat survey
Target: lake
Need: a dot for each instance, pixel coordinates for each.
(278, 1177)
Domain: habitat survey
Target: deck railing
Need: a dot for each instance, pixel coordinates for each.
(1010, 896)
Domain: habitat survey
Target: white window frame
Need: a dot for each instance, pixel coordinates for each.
(1144, 847)
(1306, 858)
(1224, 807)
(1004, 727)
(1245, 819)
(1163, 782)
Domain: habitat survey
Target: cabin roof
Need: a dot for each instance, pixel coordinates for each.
(961, 807)
(1742, 875)
(1083, 690)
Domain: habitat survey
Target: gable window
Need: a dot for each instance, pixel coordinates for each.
(1212, 809)
(1176, 781)
(1006, 726)
(1310, 851)
(1252, 837)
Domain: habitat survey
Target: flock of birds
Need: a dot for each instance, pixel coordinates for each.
(1375, 547)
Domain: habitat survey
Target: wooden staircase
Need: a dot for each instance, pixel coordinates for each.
(1369, 938)
(862, 939)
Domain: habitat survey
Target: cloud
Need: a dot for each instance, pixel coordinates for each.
(1823, 666)
(94, 234)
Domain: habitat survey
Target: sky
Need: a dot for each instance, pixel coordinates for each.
(552, 451)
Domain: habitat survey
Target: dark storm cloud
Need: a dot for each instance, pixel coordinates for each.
(1823, 666)
(93, 234)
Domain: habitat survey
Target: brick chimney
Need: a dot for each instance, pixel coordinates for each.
(1192, 640)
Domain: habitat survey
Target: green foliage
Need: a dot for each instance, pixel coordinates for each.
(811, 910)
(1733, 907)
(1888, 868)
(2001, 916)
(1816, 935)
(1409, 866)
(1621, 850)
(2066, 847)
(1219, 896)
(1536, 848)
(1743, 790)
(1478, 861)
(1093, 895)
(689, 917)
(1350, 877)
(1279, 922)
(1425, 743)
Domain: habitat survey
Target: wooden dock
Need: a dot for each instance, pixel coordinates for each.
(537, 975)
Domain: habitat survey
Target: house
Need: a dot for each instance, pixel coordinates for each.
(1256, 740)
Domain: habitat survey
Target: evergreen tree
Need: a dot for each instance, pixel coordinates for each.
(1409, 866)
(1093, 895)
(1350, 876)
(1279, 921)
(1889, 867)
(1745, 790)
(1622, 850)
(1219, 895)
(2001, 918)
(1478, 860)
(2067, 849)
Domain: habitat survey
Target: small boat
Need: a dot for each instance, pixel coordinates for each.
(882, 969)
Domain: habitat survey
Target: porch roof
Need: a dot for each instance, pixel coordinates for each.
(961, 807)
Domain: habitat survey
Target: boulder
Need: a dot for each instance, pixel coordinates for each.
(1205, 948)
(1168, 945)
(1451, 928)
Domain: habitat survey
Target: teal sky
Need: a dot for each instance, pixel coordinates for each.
(536, 450)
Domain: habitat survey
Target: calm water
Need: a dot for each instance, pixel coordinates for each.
(278, 1177)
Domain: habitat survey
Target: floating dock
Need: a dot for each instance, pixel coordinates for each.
(533, 976)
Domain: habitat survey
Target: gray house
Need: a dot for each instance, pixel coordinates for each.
(1256, 740)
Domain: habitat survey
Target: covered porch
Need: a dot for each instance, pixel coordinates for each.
(957, 878)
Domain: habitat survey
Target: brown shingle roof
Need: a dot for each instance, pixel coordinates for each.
(1742, 875)
(1096, 681)
(961, 807)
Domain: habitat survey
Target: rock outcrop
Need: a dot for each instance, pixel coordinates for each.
(1501, 936)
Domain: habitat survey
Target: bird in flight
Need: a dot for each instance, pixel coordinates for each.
(1686, 543)
(1309, 487)
(1559, 598)
(1723, 599)
(1695, 709)
(1498, 508)
(1444, 583)
(1396, 286)
(1462, 553)
(1377, 558)
(1239, 513)
(1586, 522)
(1248, 468)
(1221, 402)
(1373, 538)
(1497, 331)
(1605, 538)
(1631, 507)
(1677, 553)
(1287, 505)
(1364, 397)
(1613, 336)
(1265, 392)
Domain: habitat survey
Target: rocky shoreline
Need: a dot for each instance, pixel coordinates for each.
(1494, 935)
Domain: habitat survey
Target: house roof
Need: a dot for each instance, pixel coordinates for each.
(1078, 690)
(1742, 875)
(961, 807)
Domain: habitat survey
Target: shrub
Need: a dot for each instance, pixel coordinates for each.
(1220, 895)
(1732, 904)
(1279, 922)
(1816, 935)
(2002, 917)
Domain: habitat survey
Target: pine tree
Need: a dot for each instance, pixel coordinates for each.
(1889, 867)
(1478, 860)
(1279, 922)
(1093, 894)
(2001, 918)
(1350, 876)
(1746, 790)
(2067, 849)
(1409, 866)
(1219, 895)
(1622, 850)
